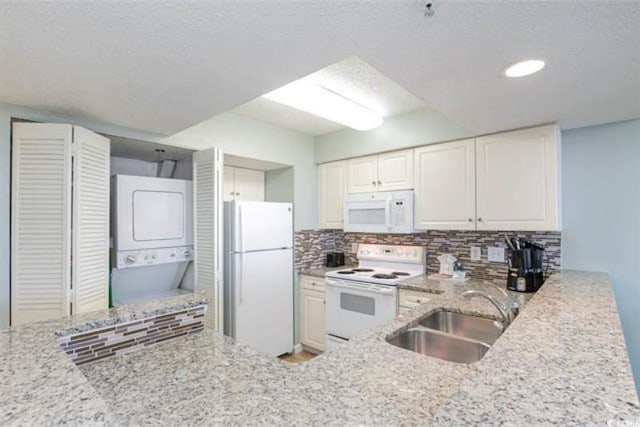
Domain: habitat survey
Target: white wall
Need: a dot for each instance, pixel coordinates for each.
(601, 214)
(245, 137)
(413, 129)
(279, 185)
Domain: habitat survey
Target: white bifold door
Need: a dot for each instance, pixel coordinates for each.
(207, 229)
(59, 221)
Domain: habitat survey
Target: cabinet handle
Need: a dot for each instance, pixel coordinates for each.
(470, 220)
(480, 219)
(373, 182)
(379, 182)
(231, 193)
(237, 194)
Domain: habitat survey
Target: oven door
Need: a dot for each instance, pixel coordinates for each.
(353, 308)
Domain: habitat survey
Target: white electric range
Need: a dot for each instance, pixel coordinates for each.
(358, 299)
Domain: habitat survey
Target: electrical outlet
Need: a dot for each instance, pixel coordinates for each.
(495, 254)
(476, 253)
(354, 247)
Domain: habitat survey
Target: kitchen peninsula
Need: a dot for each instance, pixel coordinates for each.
(565, 346)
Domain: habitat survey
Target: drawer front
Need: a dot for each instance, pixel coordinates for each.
(411, 299)
(312, 283)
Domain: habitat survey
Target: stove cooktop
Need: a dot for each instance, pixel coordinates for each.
(373, 275)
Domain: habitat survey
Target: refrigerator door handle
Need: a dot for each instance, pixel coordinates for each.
(239, 267)
(240, 227)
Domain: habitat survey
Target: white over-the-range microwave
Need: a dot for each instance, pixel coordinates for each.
(379, 212)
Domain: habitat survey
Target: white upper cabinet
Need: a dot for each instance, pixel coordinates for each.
(362, 174)
(229, 186)
(243, 184)
(332, 186)
(395, 171)
(445, 193)
(384, 172)
(249, 184)
(518, 180)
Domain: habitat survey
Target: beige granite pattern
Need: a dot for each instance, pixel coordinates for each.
(40, 385)
(562, 360)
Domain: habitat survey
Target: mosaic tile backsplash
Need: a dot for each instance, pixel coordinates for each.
(312, 246)
(123, 338)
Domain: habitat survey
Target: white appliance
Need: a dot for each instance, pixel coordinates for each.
(152, 220)
(361, 298)
(379, 212)
(258, 279)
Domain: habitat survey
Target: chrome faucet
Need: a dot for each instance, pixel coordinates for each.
(511, 301)
(506, 313)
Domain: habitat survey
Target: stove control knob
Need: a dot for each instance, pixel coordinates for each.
(131, 259)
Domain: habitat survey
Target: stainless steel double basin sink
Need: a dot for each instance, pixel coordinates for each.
(451, 336)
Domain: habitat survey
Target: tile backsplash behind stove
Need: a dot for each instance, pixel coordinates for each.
(312, 246)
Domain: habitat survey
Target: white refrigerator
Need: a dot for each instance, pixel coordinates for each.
(258, 287)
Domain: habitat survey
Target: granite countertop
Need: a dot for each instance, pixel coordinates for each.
(563, 360)
(40, 385)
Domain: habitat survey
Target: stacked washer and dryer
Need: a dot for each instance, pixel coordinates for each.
(152, 238)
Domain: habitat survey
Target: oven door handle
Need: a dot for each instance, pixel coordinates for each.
(362, 288)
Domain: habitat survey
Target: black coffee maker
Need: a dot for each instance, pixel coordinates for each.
(525, 265)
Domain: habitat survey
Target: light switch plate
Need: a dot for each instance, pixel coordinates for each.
(495, 254)
(476, 253)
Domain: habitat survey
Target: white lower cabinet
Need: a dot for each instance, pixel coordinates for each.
(312, 308)
(408, 300)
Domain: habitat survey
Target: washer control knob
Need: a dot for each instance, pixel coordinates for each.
(187, 252)
(131, 259)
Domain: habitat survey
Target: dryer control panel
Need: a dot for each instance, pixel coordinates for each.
(128, 259)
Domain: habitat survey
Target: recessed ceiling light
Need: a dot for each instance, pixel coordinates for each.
(311, 98)
(524, 68)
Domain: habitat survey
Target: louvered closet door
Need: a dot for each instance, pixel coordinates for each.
(207, 233)
(90, 265)
(40, 221)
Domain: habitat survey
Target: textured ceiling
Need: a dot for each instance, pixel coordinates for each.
(351, 78)
(164, 66)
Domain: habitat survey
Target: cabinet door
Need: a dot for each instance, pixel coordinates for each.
(331, 189)
(312, 327)
(249, 184)
(229, 188)
(362, 174)
(445, 196)
(395, 171)
(517, 180)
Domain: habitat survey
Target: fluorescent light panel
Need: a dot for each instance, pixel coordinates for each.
(311, 98)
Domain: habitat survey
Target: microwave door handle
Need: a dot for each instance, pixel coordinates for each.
(387, 215)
